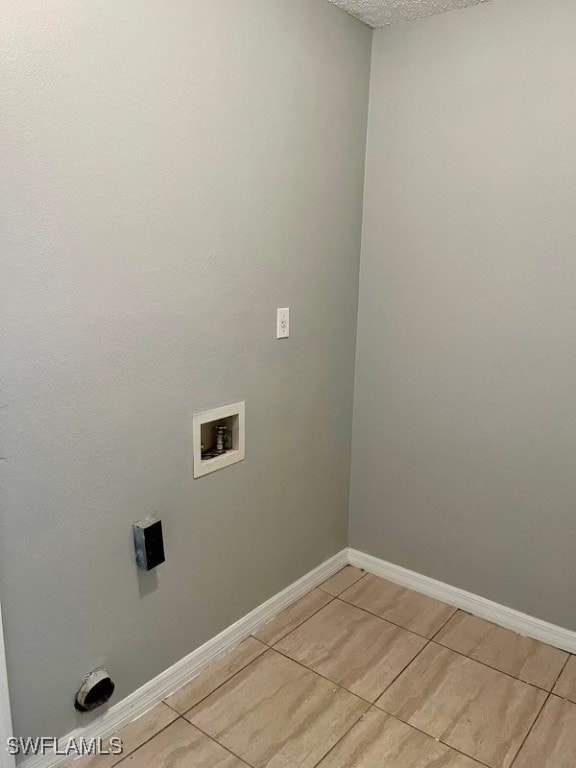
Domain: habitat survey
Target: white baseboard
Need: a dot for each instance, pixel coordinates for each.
(508, 618)
(139, 702)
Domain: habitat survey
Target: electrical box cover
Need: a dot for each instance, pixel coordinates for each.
(149, 543)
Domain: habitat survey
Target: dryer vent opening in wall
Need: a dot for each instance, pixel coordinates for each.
(219, 438)
(96, 690)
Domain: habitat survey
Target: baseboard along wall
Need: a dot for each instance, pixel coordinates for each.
(157, 689)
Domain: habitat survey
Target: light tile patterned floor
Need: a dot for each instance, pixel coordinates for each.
(361, 673)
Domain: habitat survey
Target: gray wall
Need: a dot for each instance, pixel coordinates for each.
(464, 459)
(172, 173)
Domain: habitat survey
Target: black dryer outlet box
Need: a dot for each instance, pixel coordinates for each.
(149, 544)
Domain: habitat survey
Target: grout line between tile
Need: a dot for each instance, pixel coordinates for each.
(449, 746)
(559, 695)
(419, 634)
(560, 675)
(437, 642)
(346, 732)
(537, 716)
(171, 707)
(342, 687)
(494, 669)
(423, 637)
(400, 674)
(358, 580)
(561, 698)
(428, 639)
(409, 725)
(294, 628)
(270, 647)
(525, 739)
(435, 635)
(146, 740)
(314, 672)
(546, 645)
(374, 705)
(232, 676)
(242, 759)
(371, 705)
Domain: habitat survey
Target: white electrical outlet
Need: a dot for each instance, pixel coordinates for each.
(283, 323)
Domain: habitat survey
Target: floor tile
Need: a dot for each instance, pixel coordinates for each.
(566, 685)
(342, 580)
(552, 742)
(216, 674)
(353, 648)
(182, 746)
(521, 657)
(399, 605)
(133, 736)
(468, 706)
(292, 617)
(380, 741)
(277, 714)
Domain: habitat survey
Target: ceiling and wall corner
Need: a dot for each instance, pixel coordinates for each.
(380, 13)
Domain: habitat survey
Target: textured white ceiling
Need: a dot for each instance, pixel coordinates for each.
(378, 13)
